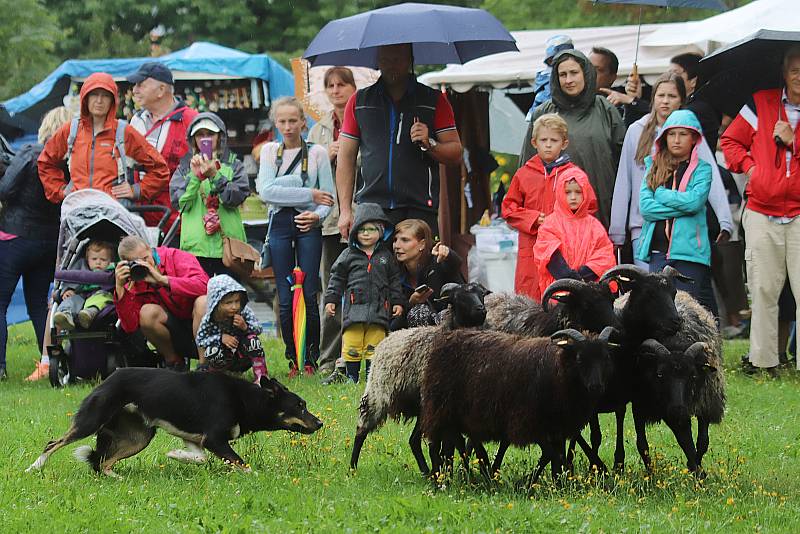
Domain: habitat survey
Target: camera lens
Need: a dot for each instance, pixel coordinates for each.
(139, 271)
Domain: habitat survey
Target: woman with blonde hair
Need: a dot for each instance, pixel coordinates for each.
(28, 237)
(295, 179)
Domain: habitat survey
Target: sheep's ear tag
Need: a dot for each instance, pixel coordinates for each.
(560, 295)
(562, 342)
(613, 286)
(614, 345)
(624, 278)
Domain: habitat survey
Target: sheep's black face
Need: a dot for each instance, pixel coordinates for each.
(467, 304)
(651, 307)
(669, 381)
(592, 308)
(594, 366)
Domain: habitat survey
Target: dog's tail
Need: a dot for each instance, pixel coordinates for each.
(86, 453)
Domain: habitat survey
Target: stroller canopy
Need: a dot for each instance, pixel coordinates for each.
(92, 214)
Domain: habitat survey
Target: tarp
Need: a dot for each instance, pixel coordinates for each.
(511, 68)
(720, 30)
(200, 57)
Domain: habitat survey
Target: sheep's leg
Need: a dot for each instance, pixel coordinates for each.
(702, 440)
(590, 453)
(483, 457)
(641, 439)
(434, 447)
(415, 442)
(557, 460)
(682, 429)
(358, 442)
(569, 463)
(619, 451)
(595, 435)
(498, 458)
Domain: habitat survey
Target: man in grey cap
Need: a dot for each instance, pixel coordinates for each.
(163, 119)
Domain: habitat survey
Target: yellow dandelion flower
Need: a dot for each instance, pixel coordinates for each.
(729, 502)
(510, 506)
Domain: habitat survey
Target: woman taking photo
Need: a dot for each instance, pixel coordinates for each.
(295, 180)
(596, 130)
(426, 268)
(28, 238)
(339, 86)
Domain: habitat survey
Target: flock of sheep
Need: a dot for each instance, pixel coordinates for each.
(504, 368)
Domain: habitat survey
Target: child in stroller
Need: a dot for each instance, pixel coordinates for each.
(86, 300)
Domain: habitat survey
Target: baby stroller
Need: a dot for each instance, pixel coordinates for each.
(88, 215)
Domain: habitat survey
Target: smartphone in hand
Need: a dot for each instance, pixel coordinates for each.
(206, 149)
(421, 289)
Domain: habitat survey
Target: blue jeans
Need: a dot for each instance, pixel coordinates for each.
(34, 260)
(289, 247)
(700, 288)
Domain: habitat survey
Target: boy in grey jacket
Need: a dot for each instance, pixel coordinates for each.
(366, 277)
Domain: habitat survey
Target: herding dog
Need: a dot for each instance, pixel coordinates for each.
(206, 410)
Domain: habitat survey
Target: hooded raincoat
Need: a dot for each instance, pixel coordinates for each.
(209, 333)
(94, 161)
(370, 285)
(531, 193)
(596, 131)
(684, 207)
(189, 195)
(579, 236)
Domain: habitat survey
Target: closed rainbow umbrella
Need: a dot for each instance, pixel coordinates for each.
(299, 317)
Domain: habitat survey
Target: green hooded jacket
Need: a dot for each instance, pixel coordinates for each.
(189, 194)
(596, 131)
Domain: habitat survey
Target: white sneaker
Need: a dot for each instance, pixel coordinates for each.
(189, 457)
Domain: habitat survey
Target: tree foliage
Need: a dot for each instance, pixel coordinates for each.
(37, 34)
(28, 35)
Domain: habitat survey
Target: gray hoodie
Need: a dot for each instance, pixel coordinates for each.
(209, 334)
(625, 202)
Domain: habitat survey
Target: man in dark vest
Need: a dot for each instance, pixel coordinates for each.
(404, 130)
(163, 119)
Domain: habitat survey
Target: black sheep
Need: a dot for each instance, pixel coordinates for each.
(532, 390)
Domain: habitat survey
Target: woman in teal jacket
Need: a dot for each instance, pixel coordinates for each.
(672, 201)
(208, 193)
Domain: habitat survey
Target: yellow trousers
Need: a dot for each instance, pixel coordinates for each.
(359, 341)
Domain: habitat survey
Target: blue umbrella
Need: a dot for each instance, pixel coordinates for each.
(718, 5)
(439, 34)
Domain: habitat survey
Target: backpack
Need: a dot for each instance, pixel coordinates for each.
(119, 143)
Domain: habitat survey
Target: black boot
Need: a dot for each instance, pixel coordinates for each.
(352, 369)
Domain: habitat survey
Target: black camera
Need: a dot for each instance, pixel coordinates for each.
(139, 270)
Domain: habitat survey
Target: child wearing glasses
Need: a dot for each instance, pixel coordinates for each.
(366, 281)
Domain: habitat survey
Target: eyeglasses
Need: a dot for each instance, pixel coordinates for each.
(367, 230)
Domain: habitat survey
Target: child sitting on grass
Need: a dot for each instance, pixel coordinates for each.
(85, 301)
(368, 277)
(531, 195)
(572, 243)
(229, 331)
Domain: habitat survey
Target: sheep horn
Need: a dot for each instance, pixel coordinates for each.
(606, 334)
(569, 285)
(671, 272)
(562, 337)
(625, 272)
(651, 345)
(444, 293)
(696, 348)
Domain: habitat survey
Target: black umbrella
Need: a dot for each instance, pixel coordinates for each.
(733, 73)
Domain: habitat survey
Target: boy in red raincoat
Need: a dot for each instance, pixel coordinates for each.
(531, 197)
(571, 242)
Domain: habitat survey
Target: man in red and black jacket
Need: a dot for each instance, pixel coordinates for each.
(763, 141)
(163, 120)
(404, 130)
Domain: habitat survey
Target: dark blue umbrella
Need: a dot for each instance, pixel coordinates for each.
(718, 5)
(439, 34)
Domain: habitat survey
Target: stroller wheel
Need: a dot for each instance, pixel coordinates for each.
(59, 370)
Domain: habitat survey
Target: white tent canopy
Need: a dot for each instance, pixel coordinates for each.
(714, 32)
(512, 68)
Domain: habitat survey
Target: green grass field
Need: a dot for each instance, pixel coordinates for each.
(303, 483)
